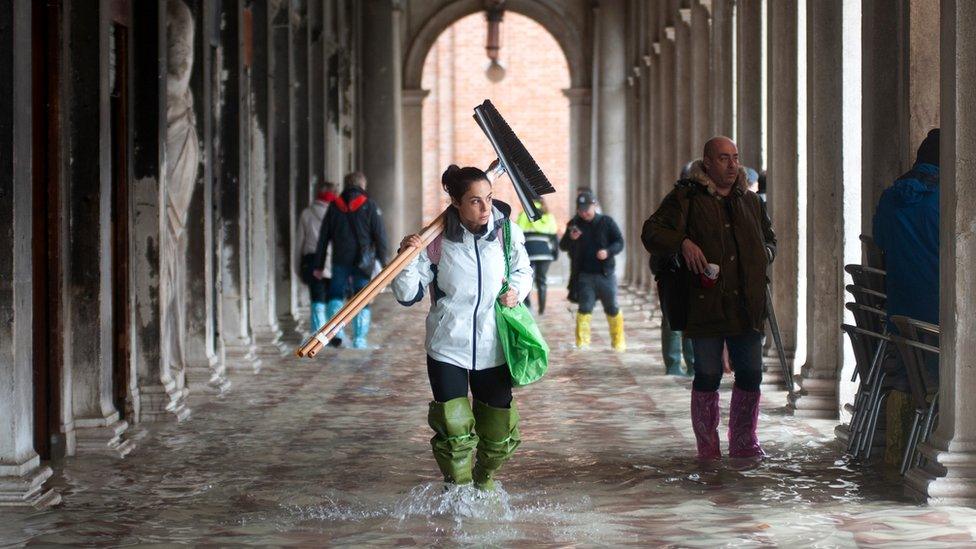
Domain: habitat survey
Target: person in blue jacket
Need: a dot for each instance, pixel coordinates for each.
(906, 229)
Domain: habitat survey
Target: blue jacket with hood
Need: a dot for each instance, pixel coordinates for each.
(906, 228)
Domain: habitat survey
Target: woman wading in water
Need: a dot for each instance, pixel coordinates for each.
(464, 270)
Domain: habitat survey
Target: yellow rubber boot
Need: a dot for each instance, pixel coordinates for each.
(617, 339)
(583, 330)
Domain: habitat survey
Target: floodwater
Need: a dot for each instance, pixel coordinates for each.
(335, 451)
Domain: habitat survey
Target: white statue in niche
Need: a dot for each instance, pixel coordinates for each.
(182, 162)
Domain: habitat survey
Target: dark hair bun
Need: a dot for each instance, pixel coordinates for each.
(456, 180)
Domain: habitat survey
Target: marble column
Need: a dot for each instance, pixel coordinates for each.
(670, 170)
(23, 480)
(205, 364)
(782, 193)
(286, 283)
(301, 189)
(949, 475)
(701, 104)
(580, 130)
(610, 116)
(232, 194)
(645, 202)
(161, 391)
(88, 303)
(825, 208)
(684, 89)
(333, 53)
(413, 159)
(749, 82)
(261, 237)
(722, 67)
(382, 111)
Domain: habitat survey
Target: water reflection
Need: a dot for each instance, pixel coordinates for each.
(336, 452)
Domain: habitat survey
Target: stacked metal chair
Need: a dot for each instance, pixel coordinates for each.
(869, 338)
(918, 345)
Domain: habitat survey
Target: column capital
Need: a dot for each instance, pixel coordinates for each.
(656, 47)
(578, 96)
(647, 60)
(413, 97)
(685, 14)
(707, 4)
(669, 33)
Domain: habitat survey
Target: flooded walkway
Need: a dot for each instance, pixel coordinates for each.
(335, 452)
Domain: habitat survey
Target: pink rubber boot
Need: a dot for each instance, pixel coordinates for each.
(704, 421)
(743, 419)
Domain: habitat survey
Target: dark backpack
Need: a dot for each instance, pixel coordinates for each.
(673, 282)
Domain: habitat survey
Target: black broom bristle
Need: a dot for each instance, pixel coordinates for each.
(529, 181)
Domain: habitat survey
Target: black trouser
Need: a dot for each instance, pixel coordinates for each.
(539, 271)
(317, 287)
(492, 386)
(593, 286)
(745, 353)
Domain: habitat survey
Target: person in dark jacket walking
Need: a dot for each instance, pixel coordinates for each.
(720, 227)
(354, 228)
(592, 240)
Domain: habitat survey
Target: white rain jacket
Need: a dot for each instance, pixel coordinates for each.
(307, 239)
(465, 282)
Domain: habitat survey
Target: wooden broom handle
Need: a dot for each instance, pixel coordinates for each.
(358, 302)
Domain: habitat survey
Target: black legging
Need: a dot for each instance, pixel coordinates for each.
(492, 386)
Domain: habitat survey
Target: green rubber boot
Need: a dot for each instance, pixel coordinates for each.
(454, 438)
(499, 437)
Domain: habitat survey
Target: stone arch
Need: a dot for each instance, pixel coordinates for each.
(567, 35)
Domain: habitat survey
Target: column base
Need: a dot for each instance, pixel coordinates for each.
(816, 399)
(95, 436)
(208, 374)
(241, 356)
(23, 485)
(164, 402)
(269, 342)
(947, 478)
(773, 378)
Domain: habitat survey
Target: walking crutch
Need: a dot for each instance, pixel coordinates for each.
(778, 341)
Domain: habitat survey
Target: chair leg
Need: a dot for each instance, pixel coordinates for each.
(873, 424)
(930, 417)
(908, 453)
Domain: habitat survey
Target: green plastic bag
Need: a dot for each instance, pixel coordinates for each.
(526, 352)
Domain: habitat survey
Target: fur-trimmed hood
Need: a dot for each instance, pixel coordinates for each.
(698, 175)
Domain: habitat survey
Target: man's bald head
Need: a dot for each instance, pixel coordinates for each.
(721, 160)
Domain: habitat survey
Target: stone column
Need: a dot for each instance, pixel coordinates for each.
(22, 477)
(286, 283)
(580, 130)
(701, 105)
(722, 67)
(232, 195)
(669, 167)
(949, 476)
(205, 365)
(886, 150)
(301, 193)
(413, 160)
(88, 321)
(645, 193)
(782, 195)
(825, 209)
(333, 55)
(749, 82)
(162, 392)
(684, 89)
(382, 137)
(261, 237)
(610, 116)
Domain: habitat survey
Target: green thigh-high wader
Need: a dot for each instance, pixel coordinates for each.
(458, 430)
